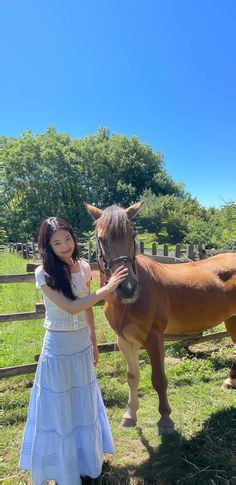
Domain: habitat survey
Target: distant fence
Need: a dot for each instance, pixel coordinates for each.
(29, 250)
(39, 313)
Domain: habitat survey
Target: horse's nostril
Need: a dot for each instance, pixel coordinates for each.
(128, 288)
(128, 293)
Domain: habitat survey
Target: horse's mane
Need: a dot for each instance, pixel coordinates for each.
(113, 223)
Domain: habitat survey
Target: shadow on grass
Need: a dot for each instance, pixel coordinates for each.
(207, 458)
(218, 360)
(176, 349)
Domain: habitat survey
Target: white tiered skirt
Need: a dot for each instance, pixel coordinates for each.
(67, 429)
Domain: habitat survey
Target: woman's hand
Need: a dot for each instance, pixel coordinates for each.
(119, 275)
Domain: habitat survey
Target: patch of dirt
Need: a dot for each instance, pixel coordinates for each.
(172, 360)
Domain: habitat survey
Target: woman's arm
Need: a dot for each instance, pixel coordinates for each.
(91, 326)
(90, 320)
(83, 304)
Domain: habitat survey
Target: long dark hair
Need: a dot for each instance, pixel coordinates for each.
(58, 272)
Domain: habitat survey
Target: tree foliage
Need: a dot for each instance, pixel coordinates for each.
(52, 174)
(41, 179)
(182, 219)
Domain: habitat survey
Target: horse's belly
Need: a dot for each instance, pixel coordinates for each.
(195, 308)
(197, 321)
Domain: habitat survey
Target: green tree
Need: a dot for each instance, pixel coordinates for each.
(119, 169)
(228, 217)
(40, 180)
(50, 174)
(166, 216)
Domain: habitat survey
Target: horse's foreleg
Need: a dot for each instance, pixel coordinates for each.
(155, 348)
(131, 353)
(230, 382)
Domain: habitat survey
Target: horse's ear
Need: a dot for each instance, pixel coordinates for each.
(93, 211)
(132, 210)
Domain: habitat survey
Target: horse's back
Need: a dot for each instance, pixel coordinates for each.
(221, 267)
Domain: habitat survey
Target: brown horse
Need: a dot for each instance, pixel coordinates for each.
(159, 298)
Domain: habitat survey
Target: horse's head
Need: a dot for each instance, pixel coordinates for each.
(116, 245)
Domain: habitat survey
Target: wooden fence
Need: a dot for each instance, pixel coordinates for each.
(29, 250)
(26, 250)
(39, 313)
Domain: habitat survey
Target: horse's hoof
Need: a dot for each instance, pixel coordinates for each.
(128, 422)
(165, 426)
(229, 384)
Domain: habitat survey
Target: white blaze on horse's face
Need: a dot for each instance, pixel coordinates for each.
(116, 245)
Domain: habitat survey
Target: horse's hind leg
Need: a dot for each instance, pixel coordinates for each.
(130, 351)
(230, 382)
(230, 324)
(155, 348)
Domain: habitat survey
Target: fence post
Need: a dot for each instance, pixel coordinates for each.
(190, 253)
(154, 249)
(24, 250)
(89, 251)
(165, 249)
(19, 248)
(140, 246)
(178, 251)
(199, 251)
(33, 250)
(27, 250)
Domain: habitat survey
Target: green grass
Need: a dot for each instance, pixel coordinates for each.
(201, 449)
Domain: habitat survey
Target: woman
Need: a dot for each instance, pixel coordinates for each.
(67, 429)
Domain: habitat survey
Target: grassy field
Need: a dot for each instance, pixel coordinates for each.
(199, 452)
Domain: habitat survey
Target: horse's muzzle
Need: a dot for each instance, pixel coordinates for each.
(128, 290)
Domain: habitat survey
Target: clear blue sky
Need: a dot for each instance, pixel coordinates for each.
(162, 70)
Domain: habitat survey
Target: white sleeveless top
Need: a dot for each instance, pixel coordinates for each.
(57, 319)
